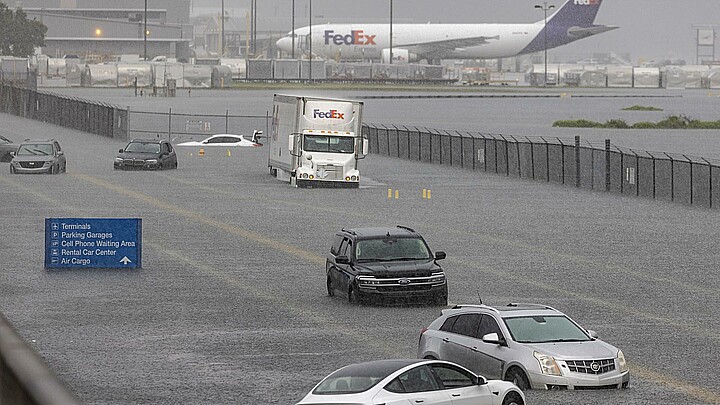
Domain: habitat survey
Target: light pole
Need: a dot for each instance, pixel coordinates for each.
(222, 28)
(293, 29)
(391, 18)
(310, 45)
(545, 7)
(145, 33)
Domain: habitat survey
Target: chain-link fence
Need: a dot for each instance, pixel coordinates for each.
(663, 176)
(70, 112)
(178, 127)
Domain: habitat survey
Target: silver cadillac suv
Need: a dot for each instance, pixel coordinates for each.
(534, 346)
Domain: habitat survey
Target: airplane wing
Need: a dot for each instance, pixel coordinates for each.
(578, 32)
(448, 45)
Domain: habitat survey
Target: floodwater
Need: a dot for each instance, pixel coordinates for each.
(517, 112)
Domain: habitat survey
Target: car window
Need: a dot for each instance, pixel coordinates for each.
(392, 249)
(395, 386)
(418, 379)
(337, 240)
(452, 377)
(35, 149)
(488, 325)
(448, 324)
(467, 325)
(543, 329)
(165, 148)
(343, 247)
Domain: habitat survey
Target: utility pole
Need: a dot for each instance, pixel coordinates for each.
(145, 33)
(222, 29)
(293, 29)
(310, 36)
(391, 18)
(545, 7)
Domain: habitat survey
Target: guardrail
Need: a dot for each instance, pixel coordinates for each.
(680, 178)
(24, 377)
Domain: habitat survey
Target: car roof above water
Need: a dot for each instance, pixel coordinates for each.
(379, 232)
(508, 311)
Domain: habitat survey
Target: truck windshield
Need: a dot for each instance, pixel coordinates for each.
(332, 144)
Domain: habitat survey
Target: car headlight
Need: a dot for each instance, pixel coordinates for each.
(548, 365)
(151, 161)
(119, 160)
(621, 361)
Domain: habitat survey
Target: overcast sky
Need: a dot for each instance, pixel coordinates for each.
(649, 29)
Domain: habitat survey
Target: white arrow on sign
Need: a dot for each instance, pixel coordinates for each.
(125, 260)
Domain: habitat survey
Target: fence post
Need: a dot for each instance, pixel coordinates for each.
(607, 165)
(672, 177)
(691, 179)
(562, 160)
(710, 190)
(577, 161)
(127, 123)
(169, 124)
(227, 113)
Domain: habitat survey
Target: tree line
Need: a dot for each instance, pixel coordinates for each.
(19, 36)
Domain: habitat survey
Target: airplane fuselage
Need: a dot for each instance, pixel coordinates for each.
(367, 41)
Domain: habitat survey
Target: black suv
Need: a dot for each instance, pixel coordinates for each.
(146, 154)
(388, 262)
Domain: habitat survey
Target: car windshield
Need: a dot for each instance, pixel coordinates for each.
(334, 144)
(143, 147)
(355, 378)
(35, 149)
(544, 329)
(388, 249)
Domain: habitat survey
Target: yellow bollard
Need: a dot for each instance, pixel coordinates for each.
(201, 152)
(397, 194)
(429, 194)
(424, 193)
(389, 193)
(228, 153)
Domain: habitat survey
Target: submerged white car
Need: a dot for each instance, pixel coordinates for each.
(534, 346)
(227, 140)
(409, 382)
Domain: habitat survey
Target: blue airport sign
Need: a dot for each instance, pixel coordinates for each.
(93, 243)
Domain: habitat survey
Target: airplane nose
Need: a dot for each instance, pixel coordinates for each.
(284, 43)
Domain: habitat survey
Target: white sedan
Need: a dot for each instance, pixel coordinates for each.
(410, 382)
(227, 140)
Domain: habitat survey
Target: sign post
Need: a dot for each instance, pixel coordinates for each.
(93, 243)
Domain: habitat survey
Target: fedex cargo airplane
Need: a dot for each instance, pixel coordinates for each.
(433, 42)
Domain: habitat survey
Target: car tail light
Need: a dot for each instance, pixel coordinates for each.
(423, 330)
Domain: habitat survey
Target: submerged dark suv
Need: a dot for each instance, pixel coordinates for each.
(368, 264)
(146, 154)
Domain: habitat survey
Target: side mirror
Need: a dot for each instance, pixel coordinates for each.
(12, 153)
(480, 380)
(365, 146)
(493, 338)
(593, 334)
(291, 143)
(440, 255)
(61, 152)
(120, 151)
(342, 260)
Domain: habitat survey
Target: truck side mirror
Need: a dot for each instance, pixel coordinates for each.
(342, 260)
(365, 146)
(291, 142)
(440, 255)
(120, 151)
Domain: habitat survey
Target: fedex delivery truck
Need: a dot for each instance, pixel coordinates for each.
(316, 142)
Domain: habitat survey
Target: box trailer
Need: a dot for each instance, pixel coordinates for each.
(316, 142)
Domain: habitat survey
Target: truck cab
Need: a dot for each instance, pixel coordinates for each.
(316, 142)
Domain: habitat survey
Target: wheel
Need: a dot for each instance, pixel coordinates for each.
(12, 170)
(512, 398)
(54, 169)
(428, 357)
(64, 168)
(175, 165)
(518, 377)
(330, 288)
(161, 167)
(354, 296)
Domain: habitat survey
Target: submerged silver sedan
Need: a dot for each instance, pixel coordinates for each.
(407, 382)
(534, 346)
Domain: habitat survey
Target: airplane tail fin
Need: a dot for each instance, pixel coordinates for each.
(576, 13)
